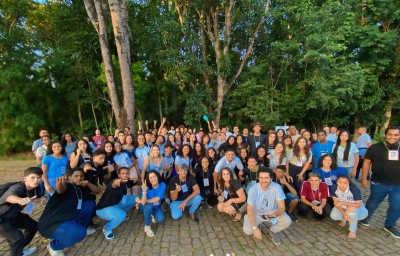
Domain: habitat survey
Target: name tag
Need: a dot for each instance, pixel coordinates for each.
(63, 170)
(98, 142)
(29, 208)
(315, 202)
(257, 144)
(274, 221)
(225, 194)
(393, 155)
(123, 201)
(328, 181)
(79, 204)
(340, 155)
(206, 182)
(184, 188)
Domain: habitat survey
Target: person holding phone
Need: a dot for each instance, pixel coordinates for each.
(149, 202)
(266, 203)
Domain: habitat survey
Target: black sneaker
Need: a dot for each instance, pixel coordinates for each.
(365, 222)
(275, 238)
(294, 219)
(392, 230)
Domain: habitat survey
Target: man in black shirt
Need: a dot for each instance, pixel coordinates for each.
(184, 192)
(68, 212)
(17, 197)
(383, 160)
(255, 140)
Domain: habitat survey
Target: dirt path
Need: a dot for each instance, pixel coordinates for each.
(12, 170)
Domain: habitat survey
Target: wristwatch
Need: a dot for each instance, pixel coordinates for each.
(254, 227)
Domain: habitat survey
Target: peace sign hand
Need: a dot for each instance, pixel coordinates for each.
(26, 200)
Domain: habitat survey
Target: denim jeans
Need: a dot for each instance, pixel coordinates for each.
(193, 203)
(349, 170)
(116, 214)
(378, 194)
(149, 210)
(361, 214)
(290, 197)
(74, 231)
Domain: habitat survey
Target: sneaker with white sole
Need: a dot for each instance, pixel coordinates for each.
(393, 231)
(168, 201)
(153, 219)
(275, 238)
(108, 234)
(90, 231)
(28, 251)
(55, 252)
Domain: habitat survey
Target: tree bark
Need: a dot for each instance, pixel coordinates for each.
(121, 30)
(96, 10)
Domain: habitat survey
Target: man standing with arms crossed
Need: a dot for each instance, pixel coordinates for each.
(383, 160)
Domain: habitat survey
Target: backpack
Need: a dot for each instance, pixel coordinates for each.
(6, 186)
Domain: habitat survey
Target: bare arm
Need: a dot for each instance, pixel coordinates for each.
(74, 158)
(365, 171)
(281, 208)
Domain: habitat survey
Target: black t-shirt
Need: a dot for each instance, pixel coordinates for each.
(232, 193)
(201, 175)
(190, 182)
(264, 162)
(8, 210)
(249, 175)
(92, 176)
(112, 196)
(284, 187)
(252, 139)
(383, 170)
(61, 208)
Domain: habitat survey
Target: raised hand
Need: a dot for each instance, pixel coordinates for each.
(26, 200)
(178, 187)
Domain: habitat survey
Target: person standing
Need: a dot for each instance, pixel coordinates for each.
(293, 133)
(12, 219)
(256, 139)
(363, 143)
(383, 160)
(332, 136)
(99, 139)
(38, 143)
(345, 153)
(320, 148)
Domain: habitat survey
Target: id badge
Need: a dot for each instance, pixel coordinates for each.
(257, 144)
(274, 221)
(315, 202)
(63, 170)
(99, 142)
(340, 155)
(184, 188)
(225, 194)
(328, 181)
(29, 208)
(206, 182)
(393, 155)
(123, 201)
(79, 204)
(299, 163)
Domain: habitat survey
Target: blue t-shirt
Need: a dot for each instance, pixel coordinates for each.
(180, 160)
(141, 154)
(56, 167)
(170, 161)
(332, 174)
(351, 195)
(331, 137)
(69, 148)
(214, 144)
(36, 144)
(362, 143)
(224, 163)
(122, 159)
(319, 150)
(156, 192)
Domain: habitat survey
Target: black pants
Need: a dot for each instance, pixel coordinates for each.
(293, 172)
(303, 210)
(359, 167)
(10, 230)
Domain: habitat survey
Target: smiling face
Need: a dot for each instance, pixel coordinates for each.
(128, 139)
(302, 143)
(229, 155)
(141, 140)
(108, 147)
(314, 181)
(327, 162)
(278, 148)
(211, 153)
(57, 148)
(261, 152)
(226, 175)
(264, 178)
(204, 163)
(185, 150)
(392, 136)
(117, 147)
(46, 141)
(155, 151)
(153, 180)
(243, 153)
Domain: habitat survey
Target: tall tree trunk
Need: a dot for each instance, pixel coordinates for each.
(119, 18)
(97, 10)
(388, 114)
(80, 115)
(356, 125)
(159, 100)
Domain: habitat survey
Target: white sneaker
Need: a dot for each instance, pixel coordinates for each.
(54, 252)
(28, 251)
(168, 201)
(90, 231)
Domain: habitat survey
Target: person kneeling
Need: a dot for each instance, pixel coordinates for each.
(68, 212)
(314, 195)
(150, 201)
(16, 197)
(115, 203)
(232, 194)
(266, 203)
(348, 204)
(184, 192)
(288, 188)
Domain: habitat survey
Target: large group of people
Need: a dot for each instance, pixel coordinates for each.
(260, 178)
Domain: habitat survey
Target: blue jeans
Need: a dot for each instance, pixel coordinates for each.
(74, 231)
(290, 197)
(193, 203)
(361, 214)
(378, 194)
(349, 170)
(149, 210)
(116, 214)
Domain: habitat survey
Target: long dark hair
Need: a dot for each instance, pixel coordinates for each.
(64, 141)
(112, 146)
(222, 181)
(287, 137)
(284, 133)
(345, 176)
(346, 150)
(283, 154)
(50, 149)
(88, 147)
(136, 145)
(296, 148)
(180, 152)
(148, 184)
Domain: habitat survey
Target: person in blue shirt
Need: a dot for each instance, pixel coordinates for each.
(328, 170)
(68, 142)
(320, 148)
(149, 202)
(38, 143)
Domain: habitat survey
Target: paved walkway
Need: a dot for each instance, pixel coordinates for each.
(217, 235)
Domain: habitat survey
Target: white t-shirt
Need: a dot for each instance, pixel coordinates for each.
(296, 161)
(264, 201)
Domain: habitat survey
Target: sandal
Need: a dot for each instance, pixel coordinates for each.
(236, 219)
(352, 235)
(149, 232)
(153, 219)
(342, 223)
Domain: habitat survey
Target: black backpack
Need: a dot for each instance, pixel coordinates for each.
(6, 186)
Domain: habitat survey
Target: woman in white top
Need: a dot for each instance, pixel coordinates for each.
(299, 159)
(345, 153)
(277, 156)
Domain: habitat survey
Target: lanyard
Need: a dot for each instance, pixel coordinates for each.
(27, 192)
(326, 146)
(389, 149)
(251, 179)
(323, 173)
(58, 162)
(313, 194)
(76, 191)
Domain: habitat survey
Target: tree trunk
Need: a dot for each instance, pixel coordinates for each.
(356, 125)
(80, 115)
(159, 100)
(96, 10)
(388, 114)
(119, 20)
